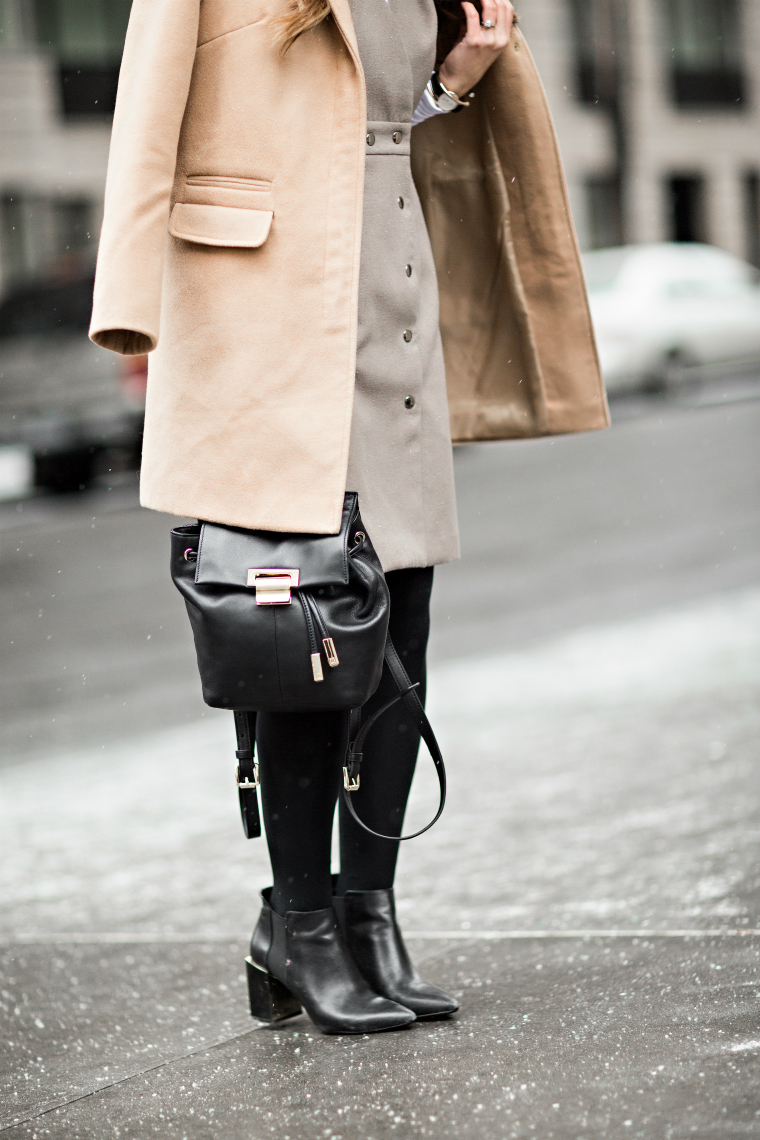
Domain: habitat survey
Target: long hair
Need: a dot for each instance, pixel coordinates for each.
(303, 15)
(306, 14)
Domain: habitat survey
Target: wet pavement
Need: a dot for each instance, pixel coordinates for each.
(642, 1037)
(592, 891)
(605, 779)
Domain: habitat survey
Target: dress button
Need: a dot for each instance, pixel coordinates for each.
(400, 203)
(409, 402)
(396, 136)
(407, 335)
(408, 270)
(370, 139)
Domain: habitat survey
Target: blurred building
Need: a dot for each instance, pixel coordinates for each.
(59, 64)
(657, 104)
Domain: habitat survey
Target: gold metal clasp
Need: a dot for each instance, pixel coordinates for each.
(246, 783)
(273, 586)
(349, 784)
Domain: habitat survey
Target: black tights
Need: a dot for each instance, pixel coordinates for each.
(301, 766)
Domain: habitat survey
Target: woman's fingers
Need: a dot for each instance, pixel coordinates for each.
(497, 14)
(505, 11)
(468, 61)
(504, 22)
(490, 16)
(472, 34)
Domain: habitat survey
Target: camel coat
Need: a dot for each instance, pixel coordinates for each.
(231, 247)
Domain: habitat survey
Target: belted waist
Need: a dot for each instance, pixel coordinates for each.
(388, 138)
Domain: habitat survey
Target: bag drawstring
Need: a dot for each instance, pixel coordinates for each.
(316, 660)
(327, 642)
(313, 616)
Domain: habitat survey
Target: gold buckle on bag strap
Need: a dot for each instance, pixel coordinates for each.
(245, 783)
(350, 783)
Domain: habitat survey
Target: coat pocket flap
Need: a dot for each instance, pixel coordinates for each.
(220, 225)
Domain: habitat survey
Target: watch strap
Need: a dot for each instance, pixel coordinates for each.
(442, 97)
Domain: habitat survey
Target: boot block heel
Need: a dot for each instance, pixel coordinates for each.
(270, 1000)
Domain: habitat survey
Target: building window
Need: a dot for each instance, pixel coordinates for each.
(705, 52)
(686, 196)
(15, 25)
(87, 36)
(604, 212)
(43, 236)
(595, 37)
(752, 215)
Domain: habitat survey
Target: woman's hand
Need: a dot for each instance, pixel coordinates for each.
(467, 63)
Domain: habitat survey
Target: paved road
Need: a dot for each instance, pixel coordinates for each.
(556, 534)
(591, 892)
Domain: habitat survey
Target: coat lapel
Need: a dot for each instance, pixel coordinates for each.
(341, 10)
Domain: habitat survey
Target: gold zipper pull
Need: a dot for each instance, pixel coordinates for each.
(316, 667)
(330, 654)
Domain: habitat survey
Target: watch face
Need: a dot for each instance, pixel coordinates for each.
(446, 102)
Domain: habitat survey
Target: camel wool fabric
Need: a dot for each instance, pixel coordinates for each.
(231, 249)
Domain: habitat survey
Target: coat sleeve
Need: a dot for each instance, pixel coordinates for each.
(153, 87)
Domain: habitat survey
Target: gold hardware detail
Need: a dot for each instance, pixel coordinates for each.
(273, 586)
(349, 784)
(316, 667)
(330, 654)
(246, 784)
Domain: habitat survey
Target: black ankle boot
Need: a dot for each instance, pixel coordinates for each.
(368, 922)
(301, 960)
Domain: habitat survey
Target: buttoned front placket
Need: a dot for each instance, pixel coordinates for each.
(400, 457)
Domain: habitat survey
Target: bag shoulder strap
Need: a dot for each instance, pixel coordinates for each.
(247, 773)
(247, 770)
(357, 734)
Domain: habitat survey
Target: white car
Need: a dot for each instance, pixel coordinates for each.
(660, 309)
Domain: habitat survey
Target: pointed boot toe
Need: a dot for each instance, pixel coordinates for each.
(380, 1014)
(368, 922)
(301, 960)
(428, 1001)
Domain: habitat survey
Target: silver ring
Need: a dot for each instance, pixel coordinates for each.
(488, 24)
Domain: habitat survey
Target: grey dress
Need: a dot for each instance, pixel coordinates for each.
(400, 457)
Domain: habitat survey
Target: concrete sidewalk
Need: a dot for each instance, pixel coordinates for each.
(591, 892)
(563, 1037)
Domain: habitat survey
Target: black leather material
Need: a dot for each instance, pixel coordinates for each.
(226, 553)
(306, 953)
(324, 649)
(269, 1000)
(368, 922)
(261, 939)
(245, 728)
(357, 733)
(258, 657)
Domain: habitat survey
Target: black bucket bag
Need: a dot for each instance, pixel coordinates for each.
(292, 622)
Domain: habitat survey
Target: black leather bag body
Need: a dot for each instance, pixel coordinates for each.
(292, 622)
(284, 621)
